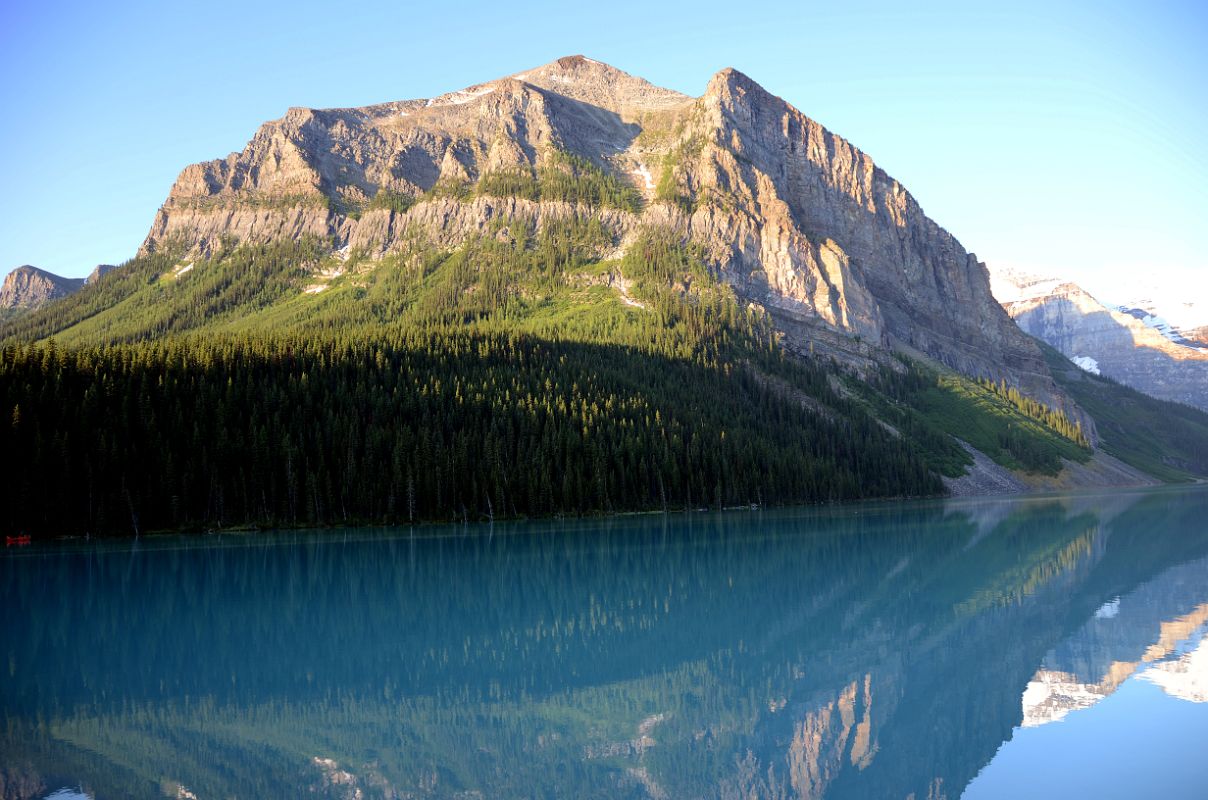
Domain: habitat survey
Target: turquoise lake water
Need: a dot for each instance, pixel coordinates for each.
(1037, 647)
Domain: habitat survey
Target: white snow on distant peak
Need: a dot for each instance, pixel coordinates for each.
(1174, 303)
(1185, 677)
(1169, 317)
(1163, 308)
(1015, 286)
(465, 96)
(460, 97)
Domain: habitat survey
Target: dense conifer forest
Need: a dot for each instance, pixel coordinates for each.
(217, 431)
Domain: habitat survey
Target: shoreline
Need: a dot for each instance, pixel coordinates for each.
(432, 529)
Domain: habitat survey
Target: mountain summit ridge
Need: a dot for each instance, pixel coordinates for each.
(28, 287)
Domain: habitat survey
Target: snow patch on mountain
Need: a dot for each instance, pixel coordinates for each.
(1173, 309)
(1015, 286)
(1170, 319)
(1086, 363)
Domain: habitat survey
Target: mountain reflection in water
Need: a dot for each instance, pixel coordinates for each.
(864, 651)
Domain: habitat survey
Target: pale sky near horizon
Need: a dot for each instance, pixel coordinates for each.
(1063, 138)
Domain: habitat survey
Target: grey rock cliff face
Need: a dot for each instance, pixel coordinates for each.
(848, 242)
(301, 174)
(797, 219)
(27, 288)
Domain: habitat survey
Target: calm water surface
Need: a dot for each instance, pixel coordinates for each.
(1053, 647)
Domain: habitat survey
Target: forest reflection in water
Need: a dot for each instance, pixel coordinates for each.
(874, 650)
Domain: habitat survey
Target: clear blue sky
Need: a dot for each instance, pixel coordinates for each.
(1064, 137)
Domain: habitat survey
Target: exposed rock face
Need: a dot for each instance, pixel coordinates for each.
(1103, 340)
(300, 174)
(794, 217)
(841, 241)
(27, 288)
(1198, 337)
(99, 272)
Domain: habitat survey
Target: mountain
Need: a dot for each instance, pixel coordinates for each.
(1129, 344)
(563, 291)
(28, 288)
(1170, 312)
(1150, 317)
(98, 272)
(796, 219)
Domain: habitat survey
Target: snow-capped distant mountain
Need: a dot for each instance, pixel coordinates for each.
(1180, 321)
(1131, 343)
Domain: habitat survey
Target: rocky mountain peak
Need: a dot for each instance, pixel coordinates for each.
(28, 287)
(797, 219)
(590, 81)
(729, 82)
(98, 272)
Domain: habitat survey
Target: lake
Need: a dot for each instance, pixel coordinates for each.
(1036, 647)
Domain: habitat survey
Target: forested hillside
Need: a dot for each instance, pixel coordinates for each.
(1166, 439)
(544, 336)
(513, 376)
(488, 382)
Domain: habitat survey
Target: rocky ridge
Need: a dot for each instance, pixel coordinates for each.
(27, 288)
(98, 272)
(795, 218)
